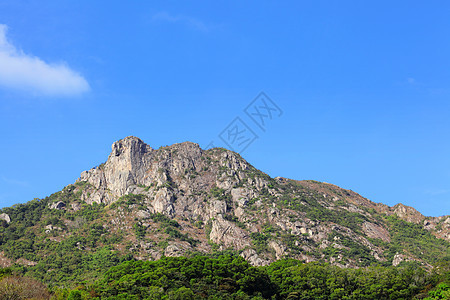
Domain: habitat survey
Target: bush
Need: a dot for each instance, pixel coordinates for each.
(18, 288)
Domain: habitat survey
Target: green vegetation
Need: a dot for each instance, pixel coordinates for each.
(231, 277)
(441, 292)
(260, 241)
(127, 200)
(221, 194)
(353, 249)
(311, 202)
(417, 241)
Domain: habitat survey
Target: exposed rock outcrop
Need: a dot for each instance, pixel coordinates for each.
(407, 213)
(177, 249)
(252, 257)
(226, 233)
(5, 217)
(58, 205)
(376, 232)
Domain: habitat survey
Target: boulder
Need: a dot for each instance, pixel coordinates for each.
(5, 217)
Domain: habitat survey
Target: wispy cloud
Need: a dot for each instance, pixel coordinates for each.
(25, 72)
(189, 21)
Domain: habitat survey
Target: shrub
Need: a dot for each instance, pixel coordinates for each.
(18, 288)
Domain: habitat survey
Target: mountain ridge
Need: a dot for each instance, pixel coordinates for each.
(180, 200)
(408, 213)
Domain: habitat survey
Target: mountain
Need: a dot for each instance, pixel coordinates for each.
(180, 200)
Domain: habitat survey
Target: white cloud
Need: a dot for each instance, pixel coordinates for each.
(192, 22)
(29, 73)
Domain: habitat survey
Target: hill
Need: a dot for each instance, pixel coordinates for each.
(180, 200)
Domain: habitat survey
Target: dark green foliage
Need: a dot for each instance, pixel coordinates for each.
(77, 257)
(234, 219)
(127, 200)
(5, 272)
(221, 194)
(164, 220)
(24, 216)
(316, 281)
(88, 212)
(182, 277)
(260, 241)
(442, 292)
(67, 263)
(231, 277)
(176, 234)
(356, 250)
(289, 240)
(139, 230)
(170, 227)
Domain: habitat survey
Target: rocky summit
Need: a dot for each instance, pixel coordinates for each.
(181, 200)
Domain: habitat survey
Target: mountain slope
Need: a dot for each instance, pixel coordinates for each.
(181, 200)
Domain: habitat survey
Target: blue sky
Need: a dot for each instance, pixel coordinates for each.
(363, 89)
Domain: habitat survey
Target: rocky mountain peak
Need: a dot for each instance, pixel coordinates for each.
(408, 213)
(130, 146)
(133, 166)
(222, 201)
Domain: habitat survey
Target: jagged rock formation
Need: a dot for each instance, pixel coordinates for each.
(181, 199)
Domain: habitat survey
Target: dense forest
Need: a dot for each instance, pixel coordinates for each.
(231, 277)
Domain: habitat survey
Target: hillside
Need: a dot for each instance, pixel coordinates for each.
(180, 200)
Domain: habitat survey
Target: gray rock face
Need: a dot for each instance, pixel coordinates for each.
(125, 167)
(132, 163)
(407, 213)
(163, 202)
(5, 217)
(142, 214)
(217, 207)
(177, 249)
(376, 232)
(279, 248)
(75, 206)
(398, 258)
(58, 205)
(253, 258)
(226, 233)
(241, 196)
